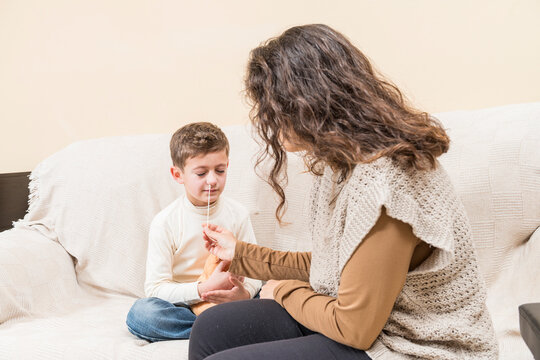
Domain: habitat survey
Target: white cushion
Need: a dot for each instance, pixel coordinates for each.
(36, 276)
(494, 163)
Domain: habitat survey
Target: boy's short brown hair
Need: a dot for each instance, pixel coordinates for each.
(196, 139)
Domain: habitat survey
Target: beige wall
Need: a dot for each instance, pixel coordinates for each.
(72, 69)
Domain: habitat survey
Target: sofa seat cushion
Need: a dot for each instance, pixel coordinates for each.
(96, 330)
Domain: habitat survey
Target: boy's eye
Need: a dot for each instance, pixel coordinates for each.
(201, 174)
(220, 171)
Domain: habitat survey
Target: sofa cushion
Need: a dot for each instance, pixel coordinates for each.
(494, 163)
(36, 276)
(94, 330)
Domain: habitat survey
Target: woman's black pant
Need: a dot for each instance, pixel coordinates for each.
(260, 329)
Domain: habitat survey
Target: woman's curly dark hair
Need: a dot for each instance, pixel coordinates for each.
(313, 88)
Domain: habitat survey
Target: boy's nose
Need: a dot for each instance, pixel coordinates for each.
(211, 179)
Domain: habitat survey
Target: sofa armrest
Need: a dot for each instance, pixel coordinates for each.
(529, 325)
(36, 275)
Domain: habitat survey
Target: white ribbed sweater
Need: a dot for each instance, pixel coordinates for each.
(440, 312)
(176, 252)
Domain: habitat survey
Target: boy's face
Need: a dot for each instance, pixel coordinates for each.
(199, 173)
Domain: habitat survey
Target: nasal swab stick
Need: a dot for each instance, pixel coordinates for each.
(208, 207)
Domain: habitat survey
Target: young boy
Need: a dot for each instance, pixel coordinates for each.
(178, 268)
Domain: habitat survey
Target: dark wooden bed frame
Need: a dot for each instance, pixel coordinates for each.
(13, 198)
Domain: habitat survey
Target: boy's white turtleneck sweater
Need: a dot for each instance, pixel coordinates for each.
(176, 252)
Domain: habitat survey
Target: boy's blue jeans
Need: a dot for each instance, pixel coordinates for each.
(154, 319)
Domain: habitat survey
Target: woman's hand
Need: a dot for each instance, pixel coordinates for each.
(267, 291)
(219, 242)
(238, 292)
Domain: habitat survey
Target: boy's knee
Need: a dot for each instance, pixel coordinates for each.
(142, 308)
(142, 304)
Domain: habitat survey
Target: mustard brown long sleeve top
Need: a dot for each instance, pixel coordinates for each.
(369, 284)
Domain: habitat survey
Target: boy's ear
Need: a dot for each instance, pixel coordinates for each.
(177, 174)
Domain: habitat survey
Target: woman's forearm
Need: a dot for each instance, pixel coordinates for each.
(263, 263)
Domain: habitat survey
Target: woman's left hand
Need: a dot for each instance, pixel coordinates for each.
(267, 291)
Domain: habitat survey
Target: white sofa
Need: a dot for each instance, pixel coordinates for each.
(71, 269)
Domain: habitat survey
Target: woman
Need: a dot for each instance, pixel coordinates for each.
(393, 272)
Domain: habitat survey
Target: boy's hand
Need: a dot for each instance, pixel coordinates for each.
(218, 280)
(219, 242)
(237, 292)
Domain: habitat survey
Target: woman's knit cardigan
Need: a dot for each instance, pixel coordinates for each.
(440, 312)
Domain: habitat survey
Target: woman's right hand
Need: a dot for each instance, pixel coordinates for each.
(219, 242)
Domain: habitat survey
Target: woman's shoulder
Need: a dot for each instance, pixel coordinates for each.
(373, 172)
(425, 199)
(393, 180)
(390, 173)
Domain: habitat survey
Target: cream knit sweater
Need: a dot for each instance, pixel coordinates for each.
(440, 312)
